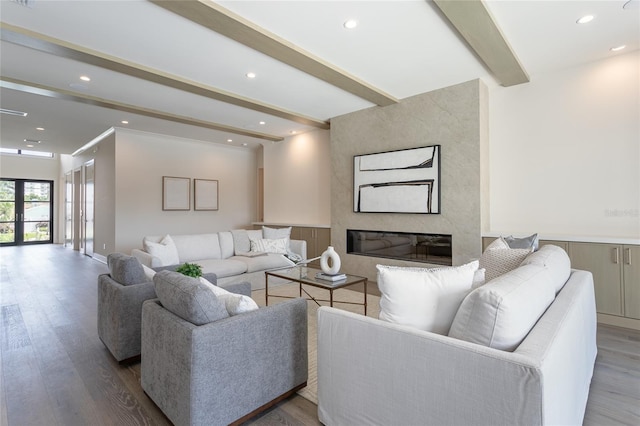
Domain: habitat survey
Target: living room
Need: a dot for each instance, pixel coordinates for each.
(558, 156)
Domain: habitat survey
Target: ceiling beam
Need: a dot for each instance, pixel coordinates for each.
(221, 20)
(52, 92)
(472, 20)
(43, 43)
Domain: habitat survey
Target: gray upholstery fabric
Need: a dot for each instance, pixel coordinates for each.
(216, 373)
(240, 240)
(125, 269)
(188, 298)
(120, 315)
(522, 243)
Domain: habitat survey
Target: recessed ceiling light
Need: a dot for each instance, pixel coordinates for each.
(40, 128)
(85, 78)
(293, 132)
(124, 122)
(350, 24)
(29, 146)
(32, 141)
(245, 144)
(229, 140)
(585, 19)
(12, 112)
(618, 48)
(251, 75)
(263, 123)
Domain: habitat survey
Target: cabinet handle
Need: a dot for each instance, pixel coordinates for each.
(616, 255)
(627, 256)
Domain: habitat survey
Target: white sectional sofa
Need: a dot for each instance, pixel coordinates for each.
(220, 253)
(379, 373)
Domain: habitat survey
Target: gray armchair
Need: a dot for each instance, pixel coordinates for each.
(228, 368)
(121, 293)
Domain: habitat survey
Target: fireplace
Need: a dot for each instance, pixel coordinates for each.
(416, 247)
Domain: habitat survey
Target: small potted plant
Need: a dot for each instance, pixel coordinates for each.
(190, 269)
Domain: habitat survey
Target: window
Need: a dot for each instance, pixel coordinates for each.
(26, 152)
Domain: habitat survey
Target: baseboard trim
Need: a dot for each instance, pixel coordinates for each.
(623, 322)
(100, 258)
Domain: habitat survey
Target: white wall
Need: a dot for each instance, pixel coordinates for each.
(297, 176)
(565, 152)
(22, 167)
(141, 161)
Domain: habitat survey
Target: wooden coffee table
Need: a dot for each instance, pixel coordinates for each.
(304, 275)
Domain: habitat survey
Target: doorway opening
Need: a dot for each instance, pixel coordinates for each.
(26, 211)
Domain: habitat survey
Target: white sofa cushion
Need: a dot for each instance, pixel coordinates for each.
(277, 233)
(197, 247)
(556, 260)
(222, 267)
(427, 299)
(501, 313)
(163, 248)
(264, 263)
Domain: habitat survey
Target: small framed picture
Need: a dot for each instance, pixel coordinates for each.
(175, 193)
(205, 194)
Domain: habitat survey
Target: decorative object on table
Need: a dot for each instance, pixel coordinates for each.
(190, 269)
(330, 256)
(327, 277)
(403, 181)
(175, 193)
(205, 194)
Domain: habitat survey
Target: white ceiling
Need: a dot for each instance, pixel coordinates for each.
(403, 48)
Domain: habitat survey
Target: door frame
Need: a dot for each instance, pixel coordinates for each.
(19, 210)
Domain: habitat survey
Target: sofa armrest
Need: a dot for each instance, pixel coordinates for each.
(243, 288)
(145, 258)
(223, 370)
(120, 315)
(371, 369)
(299, 247)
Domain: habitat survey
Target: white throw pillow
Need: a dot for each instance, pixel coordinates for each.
(235, 303)
(499, 261)
(165, 250)
(148, 272)
(276, 233)
(501, 313)
(264, 245)
(427, 299)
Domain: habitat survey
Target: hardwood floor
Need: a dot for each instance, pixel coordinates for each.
(55, 370)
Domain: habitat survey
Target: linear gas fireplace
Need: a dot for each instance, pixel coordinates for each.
(416, 247)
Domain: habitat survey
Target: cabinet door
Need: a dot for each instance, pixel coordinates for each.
(631, 273)
(307, 235)
(323, 239)
(605, 263)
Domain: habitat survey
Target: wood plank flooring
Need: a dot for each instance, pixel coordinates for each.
(56, 371)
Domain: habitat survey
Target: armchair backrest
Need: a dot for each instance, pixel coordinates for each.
(125, 269)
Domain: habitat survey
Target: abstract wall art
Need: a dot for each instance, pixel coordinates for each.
(403, 181)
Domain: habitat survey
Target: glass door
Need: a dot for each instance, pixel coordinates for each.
(26, 211)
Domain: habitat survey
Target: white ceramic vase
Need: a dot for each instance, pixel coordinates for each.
(331, 256)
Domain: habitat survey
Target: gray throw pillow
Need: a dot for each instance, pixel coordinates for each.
(523, 243)
(241, 243)
(188, 298)
(125, 269)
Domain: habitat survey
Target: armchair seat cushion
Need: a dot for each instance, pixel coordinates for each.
(188, 298)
